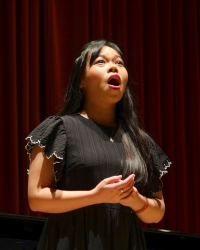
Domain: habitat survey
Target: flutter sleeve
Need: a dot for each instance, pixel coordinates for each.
(160, 165)
(50, 135)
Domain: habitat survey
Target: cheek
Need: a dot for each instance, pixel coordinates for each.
(95, 74)
(93, 79)
(125, 77)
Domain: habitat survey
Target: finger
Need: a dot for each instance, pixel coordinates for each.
(130, 190)
(128, 187)
(130, 177)
(128, 182)
(126, 195)
(126, 191)
(113, 179)
(122, 189)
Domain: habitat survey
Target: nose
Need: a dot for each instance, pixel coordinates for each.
(113, 68)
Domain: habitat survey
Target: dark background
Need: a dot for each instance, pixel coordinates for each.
(39, 41)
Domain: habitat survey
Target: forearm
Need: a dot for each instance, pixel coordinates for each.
(58, 201)
(153, 213)
(46, 199)
(43, 196)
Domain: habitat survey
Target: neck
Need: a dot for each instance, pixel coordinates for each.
(103, 116)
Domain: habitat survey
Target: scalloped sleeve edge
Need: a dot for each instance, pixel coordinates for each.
(58, 160)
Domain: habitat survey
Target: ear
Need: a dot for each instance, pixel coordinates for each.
(82, 85)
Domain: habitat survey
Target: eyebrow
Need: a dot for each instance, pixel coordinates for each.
(116, 56)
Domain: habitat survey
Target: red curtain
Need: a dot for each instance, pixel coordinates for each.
(39, 41)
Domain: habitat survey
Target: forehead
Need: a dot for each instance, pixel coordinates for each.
(108, 51)
(104, 51)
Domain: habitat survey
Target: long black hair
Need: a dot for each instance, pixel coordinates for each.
(136, 158)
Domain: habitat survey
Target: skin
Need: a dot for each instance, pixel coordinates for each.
(100, 103)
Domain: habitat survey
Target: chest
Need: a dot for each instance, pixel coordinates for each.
(90, 156)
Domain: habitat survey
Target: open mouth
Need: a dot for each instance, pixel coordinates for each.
(114, 80)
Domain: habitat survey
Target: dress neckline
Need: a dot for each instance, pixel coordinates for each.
(100, 125)
(109, 131)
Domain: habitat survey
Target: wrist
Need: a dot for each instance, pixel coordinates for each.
(143, 207)
(94, 196)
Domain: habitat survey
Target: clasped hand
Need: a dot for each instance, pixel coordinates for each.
(116, 190)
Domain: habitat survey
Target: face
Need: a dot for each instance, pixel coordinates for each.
(104, 81)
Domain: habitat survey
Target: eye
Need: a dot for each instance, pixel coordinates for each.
(100, 61)
(119, 62)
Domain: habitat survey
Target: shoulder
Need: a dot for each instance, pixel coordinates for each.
(160, 159)
(160, 163)
(50, 134)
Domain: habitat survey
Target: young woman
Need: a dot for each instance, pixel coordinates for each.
(92, 167)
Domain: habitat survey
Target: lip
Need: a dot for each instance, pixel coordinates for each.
(114, 76)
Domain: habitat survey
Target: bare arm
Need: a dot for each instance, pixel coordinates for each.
(43, 196)
(156, 206)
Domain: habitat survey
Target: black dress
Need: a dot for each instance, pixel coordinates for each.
(85, 156)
